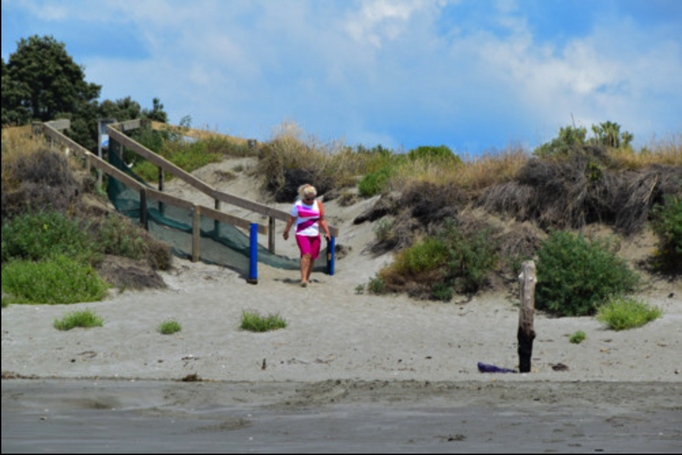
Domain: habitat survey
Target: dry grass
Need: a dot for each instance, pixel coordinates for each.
(35, 177)
(664, 151)
(292, 158)
(473, 176)
(590, 185)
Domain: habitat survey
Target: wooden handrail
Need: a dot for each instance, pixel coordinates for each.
(95, 161)
(198, 184)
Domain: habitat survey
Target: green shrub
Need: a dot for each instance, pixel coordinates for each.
(254, 322)
(376, 285)
(441, 153)
(376, 182)
(55, 281)
(186, 154)
(575, 275)
(471, 257)
(667, 224)
(84, 319)
(170, 327)
(46, 234)
(569, 138)
(578, 337)
(436, 267)
(621, 313)
(442, 292)
(117, 235)
(424, 256)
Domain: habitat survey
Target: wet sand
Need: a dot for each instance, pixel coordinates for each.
(340, 416)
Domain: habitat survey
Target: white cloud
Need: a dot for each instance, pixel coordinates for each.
(371, 69)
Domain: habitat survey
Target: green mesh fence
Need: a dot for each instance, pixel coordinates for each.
(220, 243)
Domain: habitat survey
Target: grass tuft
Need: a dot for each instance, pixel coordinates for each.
(84, 319)
(170, 327)
(254, 322)
(622, 313)
(578, 337)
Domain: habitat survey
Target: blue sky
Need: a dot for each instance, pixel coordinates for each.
(474, 75)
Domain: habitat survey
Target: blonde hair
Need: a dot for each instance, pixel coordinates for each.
(306, 189)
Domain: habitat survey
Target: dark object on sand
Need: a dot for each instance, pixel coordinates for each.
(484, 368)
(560, 367)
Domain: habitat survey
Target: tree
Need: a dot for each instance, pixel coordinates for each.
(41, 81)
(609, 135)
(13, 112)
(606, 134)
(156, 113)
(569, 138)
(45, 81)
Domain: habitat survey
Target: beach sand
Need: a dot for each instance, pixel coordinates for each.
(346, 349)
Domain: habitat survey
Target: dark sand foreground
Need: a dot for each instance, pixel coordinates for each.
(340, 416)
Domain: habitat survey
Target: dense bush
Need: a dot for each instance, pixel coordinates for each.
(667, 224)
(576, 275)
(376, 182)
(572, 138)
(42, 235)
(441, 153)
(456, 259)
(56, 280)
(422, 257)
(471, 257)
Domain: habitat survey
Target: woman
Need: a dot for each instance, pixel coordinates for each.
(308, 214)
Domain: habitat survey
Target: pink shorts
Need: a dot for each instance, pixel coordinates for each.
(309, 245)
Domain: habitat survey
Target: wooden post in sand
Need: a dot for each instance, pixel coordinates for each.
(526, 333)
(196, 233)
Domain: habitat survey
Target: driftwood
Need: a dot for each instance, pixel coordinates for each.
(526, 332)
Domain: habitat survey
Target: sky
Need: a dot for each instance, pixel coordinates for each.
(474, 75)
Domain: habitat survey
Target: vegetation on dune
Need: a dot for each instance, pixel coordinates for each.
(574, 275)
(433, 207)
(49, 250)
(186, 153)
(667, 224)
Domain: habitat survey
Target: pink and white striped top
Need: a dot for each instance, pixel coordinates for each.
(307, 218)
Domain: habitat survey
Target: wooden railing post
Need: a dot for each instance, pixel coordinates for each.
(526, 332)
(196, 233)
(143, 209)
(216, 223)
(162, 178)
(271, 234)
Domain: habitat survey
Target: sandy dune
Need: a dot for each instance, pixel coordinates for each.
(333, 333)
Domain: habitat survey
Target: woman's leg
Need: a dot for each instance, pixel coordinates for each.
(306, 261)
(310, 268)
(315, 253)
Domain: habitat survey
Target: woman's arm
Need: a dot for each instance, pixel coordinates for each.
(323, 222)
(292, 220)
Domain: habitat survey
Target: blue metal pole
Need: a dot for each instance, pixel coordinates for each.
(331, 256)
(253, 257)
